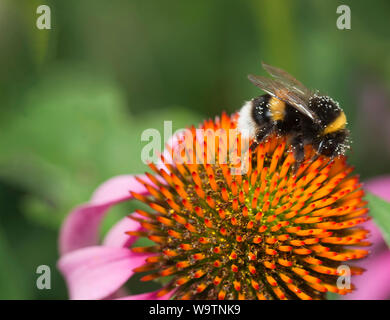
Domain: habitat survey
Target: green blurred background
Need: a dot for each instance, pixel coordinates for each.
(75, 99)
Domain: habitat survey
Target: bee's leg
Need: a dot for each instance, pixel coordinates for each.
(261, 134)
(315, 157)
(254, 144)
(298, 150)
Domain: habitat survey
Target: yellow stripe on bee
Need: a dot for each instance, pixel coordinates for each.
(277, 108)
(337, 124)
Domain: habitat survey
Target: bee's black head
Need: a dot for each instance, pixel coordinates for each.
(326, 109)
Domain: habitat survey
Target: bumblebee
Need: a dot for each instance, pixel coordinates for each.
(290, 109)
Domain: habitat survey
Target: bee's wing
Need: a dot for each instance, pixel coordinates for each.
(286, 78)
(286, 91)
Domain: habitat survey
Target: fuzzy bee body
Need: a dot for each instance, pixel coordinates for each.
(292, 110)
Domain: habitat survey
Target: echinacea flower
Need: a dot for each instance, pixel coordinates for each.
(273, 232)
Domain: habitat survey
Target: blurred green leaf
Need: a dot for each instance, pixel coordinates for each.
(71, 133)
(332, 296)
(11, 276)
(380, 210)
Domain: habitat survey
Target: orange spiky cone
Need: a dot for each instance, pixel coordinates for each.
(271, 233)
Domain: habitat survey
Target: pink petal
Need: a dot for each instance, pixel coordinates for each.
(380, 187)
(117, 236)
(375, 236)
(99, 271)
(117, 189)
(173, 142)
(121, 292)
(148, 296)
(80, 228)
(374, 283)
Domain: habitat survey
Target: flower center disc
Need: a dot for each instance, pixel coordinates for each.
(273, 232)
